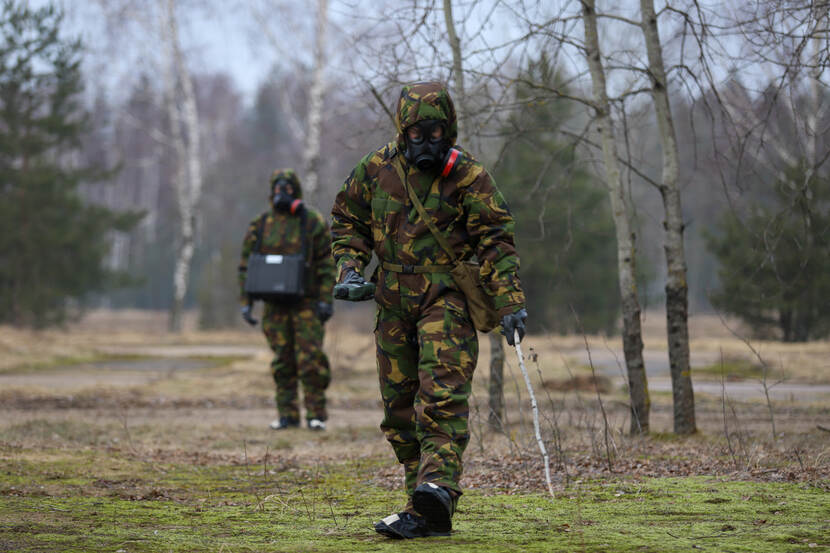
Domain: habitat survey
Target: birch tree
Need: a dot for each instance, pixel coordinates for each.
(308, 133)
(183, 115)
(632, 331)
(677, 304)
(311, 153)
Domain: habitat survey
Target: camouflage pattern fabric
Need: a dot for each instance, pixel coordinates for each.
(291, 176)
(294, 332)
(426, 354)
(295, 335)
(426, 345)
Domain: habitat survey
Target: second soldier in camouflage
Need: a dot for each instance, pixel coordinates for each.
(295, 329)
(427, 346)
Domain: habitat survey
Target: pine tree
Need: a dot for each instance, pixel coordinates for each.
(775, 262)
(52, 244)
(563, 225)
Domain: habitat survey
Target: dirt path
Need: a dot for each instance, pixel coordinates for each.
(187, 350)
(611, 363)
(750, 389)
(155, 362)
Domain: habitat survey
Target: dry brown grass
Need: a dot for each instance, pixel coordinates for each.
(43, 367)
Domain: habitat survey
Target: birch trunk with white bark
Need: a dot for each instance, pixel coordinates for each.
(311, 153)
(677, 304)
(457, 71)
(184, 125)
(632, 333)
(495, 390)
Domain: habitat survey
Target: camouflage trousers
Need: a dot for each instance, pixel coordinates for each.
(295, 334)
(426, 354)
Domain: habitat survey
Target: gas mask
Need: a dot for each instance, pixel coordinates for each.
(284, 201)
(426, 152)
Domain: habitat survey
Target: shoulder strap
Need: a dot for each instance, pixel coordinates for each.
(440, 238)
(304, 236)
(259, 232)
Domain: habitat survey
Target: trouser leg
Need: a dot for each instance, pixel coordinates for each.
(278, 329)
(312, 363)
(447, 359)
(398, 377)
(410, 479)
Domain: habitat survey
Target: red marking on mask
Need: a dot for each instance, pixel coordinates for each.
(295, 206)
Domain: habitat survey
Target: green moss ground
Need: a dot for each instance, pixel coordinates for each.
(735, 368)
(94, 500)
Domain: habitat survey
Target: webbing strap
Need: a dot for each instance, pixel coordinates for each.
(416, 269)
(440, 238)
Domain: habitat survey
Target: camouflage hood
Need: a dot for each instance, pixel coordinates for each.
(289, 174)
(421, 101)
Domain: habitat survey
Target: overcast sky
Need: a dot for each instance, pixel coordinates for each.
(215, 42)
(229, 36)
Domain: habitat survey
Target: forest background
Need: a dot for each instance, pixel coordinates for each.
(281, 84)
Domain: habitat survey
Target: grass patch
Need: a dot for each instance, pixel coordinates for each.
(733, 369)
(218, 361)
(54, 362)
(96, 359)
(94, 500)
(66, 431)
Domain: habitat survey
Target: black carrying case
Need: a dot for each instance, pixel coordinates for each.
(275, 277)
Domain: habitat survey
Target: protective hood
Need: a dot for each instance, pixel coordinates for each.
(420, 101)
(289, 174)
(285, 202)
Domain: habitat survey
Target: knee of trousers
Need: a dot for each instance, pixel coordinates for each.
(282, 371)
(405, 449)
(314, 370)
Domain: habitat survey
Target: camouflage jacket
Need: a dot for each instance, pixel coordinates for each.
(373, 212)
(281, 234)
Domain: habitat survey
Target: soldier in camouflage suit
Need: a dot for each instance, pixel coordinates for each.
(426, 344)
(294, 330)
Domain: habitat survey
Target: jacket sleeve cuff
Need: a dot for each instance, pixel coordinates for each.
(509, 303)
(510, 309)
(344, 265)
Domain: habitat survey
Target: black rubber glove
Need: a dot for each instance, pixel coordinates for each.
(354, 288)
(246, 314)
(512, 323)
(324, 311)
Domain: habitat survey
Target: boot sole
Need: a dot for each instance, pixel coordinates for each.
(439, 519)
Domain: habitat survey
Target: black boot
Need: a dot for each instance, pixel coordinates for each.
(436, 505)
(284, 422)
(403, 525)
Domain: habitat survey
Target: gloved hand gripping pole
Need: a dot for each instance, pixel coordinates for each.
(536, 428)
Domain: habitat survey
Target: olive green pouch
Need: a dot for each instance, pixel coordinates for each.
(467, 277)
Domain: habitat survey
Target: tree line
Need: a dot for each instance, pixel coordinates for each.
(673, 157)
